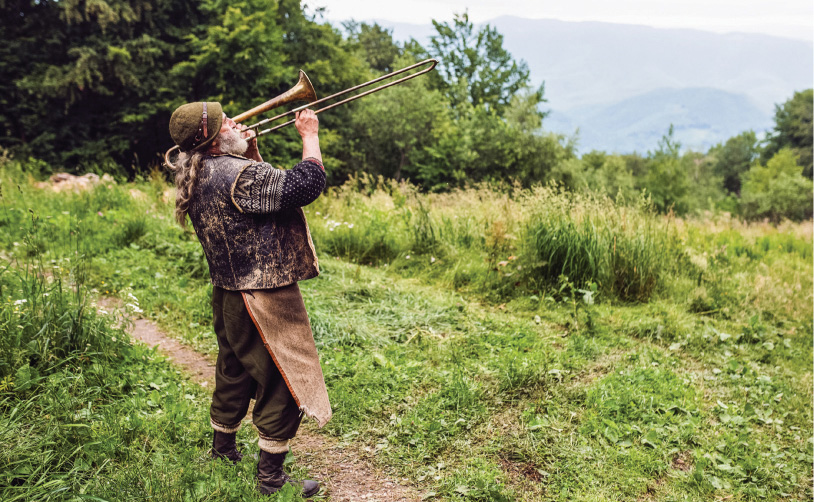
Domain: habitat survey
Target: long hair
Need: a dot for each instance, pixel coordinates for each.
(186, 175)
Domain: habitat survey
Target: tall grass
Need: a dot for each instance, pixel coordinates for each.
(625, 250)
(501, 241)
(58, 359)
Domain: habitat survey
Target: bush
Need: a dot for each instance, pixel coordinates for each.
(777, 190)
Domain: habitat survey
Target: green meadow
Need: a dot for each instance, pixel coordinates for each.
(491, 343)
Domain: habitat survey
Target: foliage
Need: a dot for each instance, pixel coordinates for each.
(516, 245)
(666, 180)
(651, 405)
(794, 129)
(397, 127)
(237, 58)
(91, 86)
(46, 326)
(376, 45)
(474, 66)
(733, 158)
(609, 175)
(87, 81)
(777, 190)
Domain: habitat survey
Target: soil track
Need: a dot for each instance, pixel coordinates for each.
(344, 470)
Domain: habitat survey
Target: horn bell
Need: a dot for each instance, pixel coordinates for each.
(303, 90)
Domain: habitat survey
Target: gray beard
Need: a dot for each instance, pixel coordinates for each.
(232, 143)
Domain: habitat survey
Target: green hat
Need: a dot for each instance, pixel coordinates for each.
(187, 124)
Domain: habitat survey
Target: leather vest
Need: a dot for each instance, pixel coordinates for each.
(247, 251)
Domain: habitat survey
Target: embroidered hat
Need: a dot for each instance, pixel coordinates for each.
(196, 125)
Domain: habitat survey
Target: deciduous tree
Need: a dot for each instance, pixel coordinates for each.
(777, 190)
(476, 61)
(793, 129)
(733, 158)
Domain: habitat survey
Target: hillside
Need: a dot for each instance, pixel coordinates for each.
(701, 117)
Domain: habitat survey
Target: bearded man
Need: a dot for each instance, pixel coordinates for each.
(247, 216)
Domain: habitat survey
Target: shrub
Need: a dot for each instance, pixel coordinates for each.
(777, 190)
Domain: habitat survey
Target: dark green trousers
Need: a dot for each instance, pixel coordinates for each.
(245, 370)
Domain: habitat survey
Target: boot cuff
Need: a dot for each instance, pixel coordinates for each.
(226, 429)
(272, 445)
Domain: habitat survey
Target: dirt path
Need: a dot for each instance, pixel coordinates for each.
(345, 472)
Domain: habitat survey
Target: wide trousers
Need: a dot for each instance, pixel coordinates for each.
(245, 370)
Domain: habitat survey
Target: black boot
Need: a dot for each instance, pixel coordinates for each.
(271, 476)
(223, 446)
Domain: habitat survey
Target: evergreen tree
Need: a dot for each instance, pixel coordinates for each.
(87, 82)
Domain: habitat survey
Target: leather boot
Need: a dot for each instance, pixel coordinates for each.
(223, 446)
(271, 476)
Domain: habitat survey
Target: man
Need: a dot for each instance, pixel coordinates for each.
(247, 216)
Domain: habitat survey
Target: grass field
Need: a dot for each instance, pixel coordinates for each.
(488, 344)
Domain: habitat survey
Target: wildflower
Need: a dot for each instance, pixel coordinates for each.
(132, 297)
(350, 225)
(20, 302)
(432, 259)
(134, 308)
(99, 213)
(407, 257)
(318, 213)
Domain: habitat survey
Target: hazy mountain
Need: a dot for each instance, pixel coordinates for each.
(701, 117)
(628, 83)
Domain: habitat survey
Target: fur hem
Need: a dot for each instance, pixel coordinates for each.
(269, 445)
(226, 429)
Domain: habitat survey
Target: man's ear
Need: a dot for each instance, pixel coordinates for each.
(214, 147)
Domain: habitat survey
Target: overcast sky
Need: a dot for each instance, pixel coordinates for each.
(789, 18)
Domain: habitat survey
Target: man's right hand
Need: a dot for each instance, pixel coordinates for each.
(307, 123)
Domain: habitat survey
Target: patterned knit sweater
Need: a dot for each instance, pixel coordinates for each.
(261, 188)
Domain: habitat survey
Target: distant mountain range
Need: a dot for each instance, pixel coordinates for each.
(623, 85)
